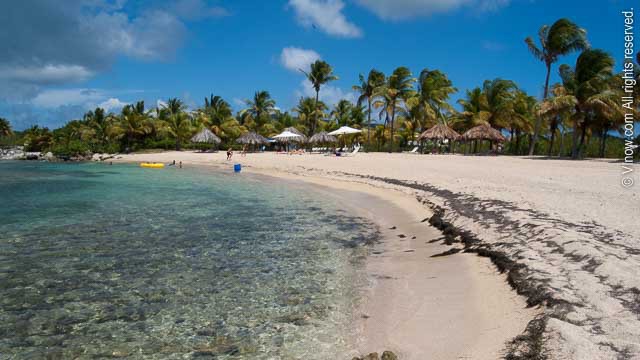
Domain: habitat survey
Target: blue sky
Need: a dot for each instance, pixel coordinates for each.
(60, 59)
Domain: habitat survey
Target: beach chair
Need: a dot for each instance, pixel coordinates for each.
(414, 151)
(353, 153)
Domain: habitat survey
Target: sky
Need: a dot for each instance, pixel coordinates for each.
(59, 59)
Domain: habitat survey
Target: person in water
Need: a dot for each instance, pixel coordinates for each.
(229, 154)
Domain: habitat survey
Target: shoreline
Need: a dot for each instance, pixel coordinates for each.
(417, 305)
(563, 232)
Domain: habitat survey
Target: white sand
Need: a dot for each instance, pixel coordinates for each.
(572, 225)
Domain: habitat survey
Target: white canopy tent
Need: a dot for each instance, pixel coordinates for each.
(286, 136)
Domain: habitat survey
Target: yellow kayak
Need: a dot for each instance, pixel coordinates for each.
(152, 165)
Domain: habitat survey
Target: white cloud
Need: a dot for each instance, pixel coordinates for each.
(48, 74)
(329, 94)
(53, 98)
(326, 15)
(112, 104)
(294, 58)
(406, 9)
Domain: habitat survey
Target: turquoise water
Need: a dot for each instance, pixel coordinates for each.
(101, 261)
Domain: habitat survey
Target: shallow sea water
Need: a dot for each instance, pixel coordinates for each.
(101, 261)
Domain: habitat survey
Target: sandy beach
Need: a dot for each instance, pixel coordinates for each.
(567, 232)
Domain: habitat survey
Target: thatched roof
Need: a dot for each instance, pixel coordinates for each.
(296, 131)
(439, 132)
(322, 138)
(251, 138)
(484, 132)
(206, 136)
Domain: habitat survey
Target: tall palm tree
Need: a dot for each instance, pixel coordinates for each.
(217, 109)
(99, 123)
(321, 73)
(398, 88)
(5, 128)
(499, 95)
(259, 108)
(369, 88)
(561, 38)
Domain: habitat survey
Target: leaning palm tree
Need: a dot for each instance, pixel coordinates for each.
(320, 74)
(259, 108)
(5, 128)
(369, 89)
(398, 88)
(561, 38)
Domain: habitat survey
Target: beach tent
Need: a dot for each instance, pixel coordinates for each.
(205, 136)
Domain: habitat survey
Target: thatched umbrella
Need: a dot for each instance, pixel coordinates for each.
(251, 138)
(484, 132)
(206, 137)
(323, 138)
(439, 132)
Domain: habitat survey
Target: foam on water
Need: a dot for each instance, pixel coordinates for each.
(100, 260)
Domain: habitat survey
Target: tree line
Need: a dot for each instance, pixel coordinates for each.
(391, 109)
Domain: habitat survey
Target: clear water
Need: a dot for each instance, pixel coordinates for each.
(101, 261)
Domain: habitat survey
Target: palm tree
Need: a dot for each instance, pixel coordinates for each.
(131, 124)
(342, 112)
(434, 89)
(499, 95)
(369, 88)
(100, 124)
(177, 121)
(308, 111)
(562, 38)
(398, 88)
(258, 109)
(5, 128)
(320, 74)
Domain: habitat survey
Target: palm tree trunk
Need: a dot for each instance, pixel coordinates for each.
(536, 130)
(369, 123)
(574, 146)
(553, 127)
(393, 117)
(315, 113)
(603, 143)
(561, 150)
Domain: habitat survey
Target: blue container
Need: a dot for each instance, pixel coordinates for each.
(237, 167)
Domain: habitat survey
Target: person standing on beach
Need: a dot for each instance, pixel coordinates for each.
(229, 154)
(244, 150)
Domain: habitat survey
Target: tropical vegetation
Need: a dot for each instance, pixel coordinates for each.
(578, 117)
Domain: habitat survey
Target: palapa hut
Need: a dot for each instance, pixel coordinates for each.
(483, 132)
(323, 138)
(251, 138)
(205, 136)
(439, 132)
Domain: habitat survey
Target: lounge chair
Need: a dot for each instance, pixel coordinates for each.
(414, 151)
(353, 153)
